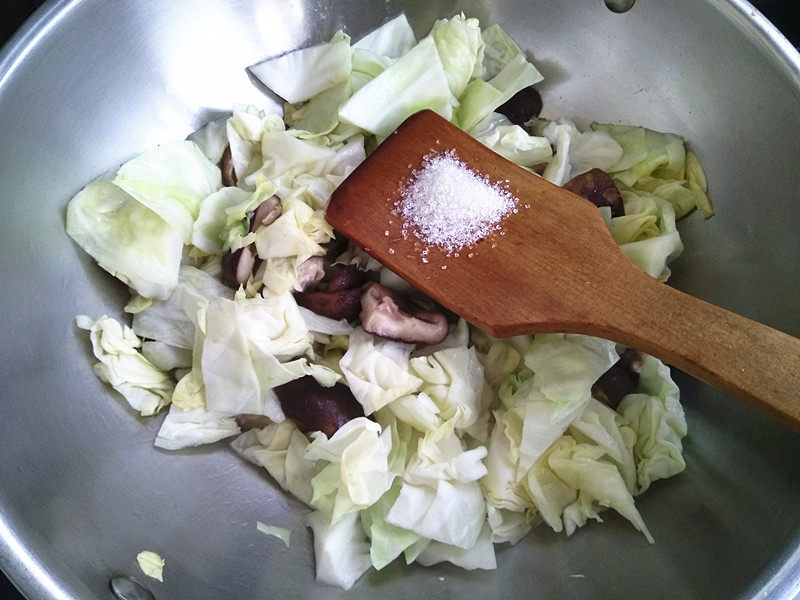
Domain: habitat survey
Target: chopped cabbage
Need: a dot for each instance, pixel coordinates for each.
(299, 75)
(392, 39)
(246, 341)
(341, 549)
(182, 428)
(282, 533)
(466, 443)
(171, 180)
(126, 238)
(481, 98)
(415, 81)
(460, 47)
(377, 370)
(151, 564)
(173, 321)
(281, 449)
(145, 387)
(357, 473)
(656, 416)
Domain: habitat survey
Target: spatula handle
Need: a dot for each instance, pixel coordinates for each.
(741, 357)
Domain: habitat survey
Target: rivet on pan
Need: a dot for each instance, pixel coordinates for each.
(619, 6)
(127, 588)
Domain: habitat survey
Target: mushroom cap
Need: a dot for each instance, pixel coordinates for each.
(387, 314)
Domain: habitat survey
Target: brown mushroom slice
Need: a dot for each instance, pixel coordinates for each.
(266, 213)
(310, 272)
(314, 407)
(599, 189)
(238, 266)
(348, 278)
(335, 305)
(387, 314)
(523, 106)
(248, 422)
(226, 166)
(620, 380)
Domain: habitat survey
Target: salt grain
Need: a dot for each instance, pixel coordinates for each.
(450, 206)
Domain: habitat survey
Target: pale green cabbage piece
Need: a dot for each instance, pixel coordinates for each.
(282, 533)
(171, 180)
(566, 365)
(413, 82)
(460, 46)
(697, 182)
(452, 512)
(659, 163)
(507, 525)
(126, 238)
(417, 410)
(481, 98)
(479, 556)
(212, 218)
(560, 133)
(656, 415)
(392, 39)
(320, 115)
(539, 407)
(357, 473)
(576, 151)
(572, 482)
(233, 224)
(514, 143)
(151, 564)
(605, 428)
(185, 428)
(652, 244)
(298, 233)
(173, 321)
(299, 75)
(453, 379)
(281, 449)
(166, 357)
(303, 168)
(145, 387)
(440, 455)
(377, 370)
(340, 549)
(247, 351)
(211, 139)
(499, 49)
(190, 393)
(387, 541)
(245, 129)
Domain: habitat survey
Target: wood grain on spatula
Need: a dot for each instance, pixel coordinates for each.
(554, 267)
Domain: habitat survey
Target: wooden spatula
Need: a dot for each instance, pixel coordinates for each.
(556, 268)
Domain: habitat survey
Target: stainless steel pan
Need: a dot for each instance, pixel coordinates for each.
(87, 84)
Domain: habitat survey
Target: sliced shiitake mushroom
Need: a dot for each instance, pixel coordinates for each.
(314, 407)
(599, 189)
(620, 380)
(348, 278)
(226, 166)
(523, 106)
(387, 314)
(344, 304)
(310, 272)
(238, 266)
(266, 213)
(248, 422)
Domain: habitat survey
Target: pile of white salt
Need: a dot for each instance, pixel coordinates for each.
(448, 205)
